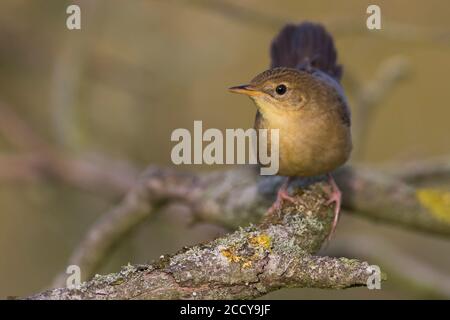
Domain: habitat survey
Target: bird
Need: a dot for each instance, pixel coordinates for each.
(301, 95)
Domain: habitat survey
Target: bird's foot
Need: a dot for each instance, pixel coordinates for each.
(282, 196)
(335, 196)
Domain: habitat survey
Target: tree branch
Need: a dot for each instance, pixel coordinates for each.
(240, 196)
(245, 264)
(405, 270)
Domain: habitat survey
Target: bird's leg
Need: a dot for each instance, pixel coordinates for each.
(335, 195)
(282, 195)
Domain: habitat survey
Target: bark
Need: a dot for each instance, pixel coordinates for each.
(248, 263)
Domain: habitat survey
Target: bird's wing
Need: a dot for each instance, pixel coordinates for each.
(344, 109)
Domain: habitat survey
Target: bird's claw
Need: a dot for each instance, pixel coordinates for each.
(335, 196)
(282, 196)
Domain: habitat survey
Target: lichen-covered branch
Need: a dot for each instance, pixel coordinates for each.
(406, 271)
(248, 263)
(240, 196)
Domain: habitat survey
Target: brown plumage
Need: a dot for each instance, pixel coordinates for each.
(301, 96)
(312, 118)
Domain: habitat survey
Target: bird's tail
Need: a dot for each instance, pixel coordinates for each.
(303, 46)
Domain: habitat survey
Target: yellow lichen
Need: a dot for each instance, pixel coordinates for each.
(230, 255)
(117, 282)
(436, 201)
(261, 240)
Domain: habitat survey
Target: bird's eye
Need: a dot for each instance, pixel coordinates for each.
(281, 89)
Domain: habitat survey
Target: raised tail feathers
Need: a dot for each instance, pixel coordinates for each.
(304, 46)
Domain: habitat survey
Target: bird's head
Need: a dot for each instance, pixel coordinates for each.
(278, 90)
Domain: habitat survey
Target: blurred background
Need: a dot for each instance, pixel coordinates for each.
(110, 95)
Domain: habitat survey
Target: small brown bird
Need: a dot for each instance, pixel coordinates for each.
(302, 97)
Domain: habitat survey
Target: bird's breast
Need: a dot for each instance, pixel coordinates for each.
(309, 144)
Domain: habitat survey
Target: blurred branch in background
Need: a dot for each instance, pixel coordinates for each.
(94, 174)
(239, 13)
(371, 95)
(432, 171)
(340, 26)
(65, 80)
(36, 159)
(18, 133)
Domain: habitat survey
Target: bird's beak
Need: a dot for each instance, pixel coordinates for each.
(246, 89)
